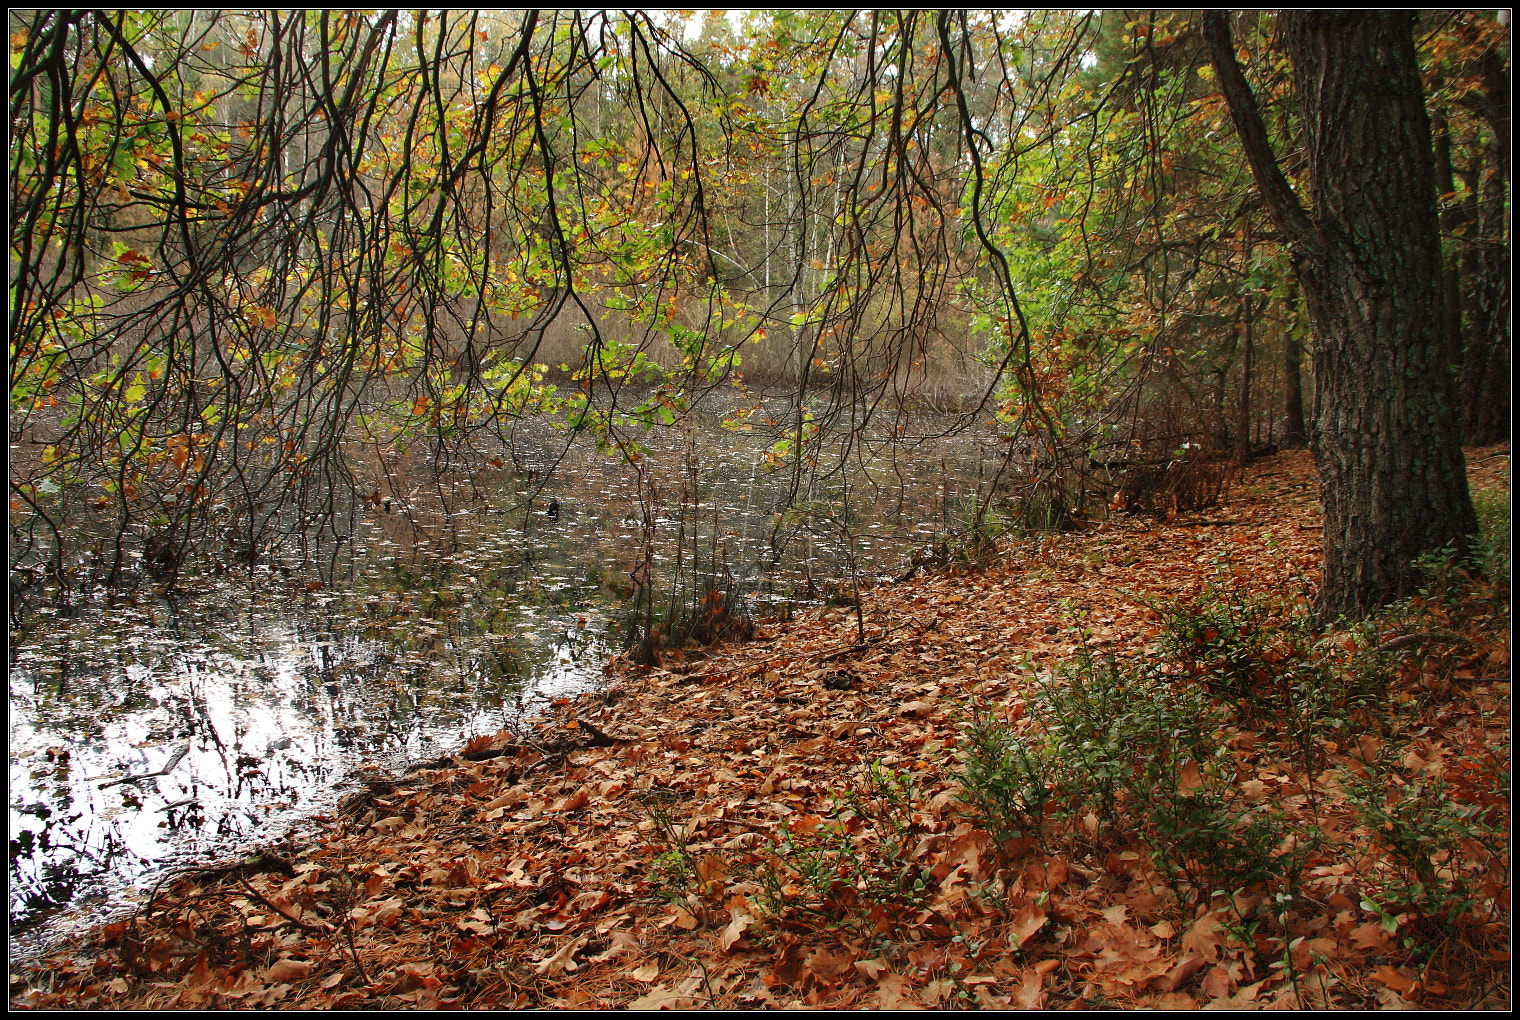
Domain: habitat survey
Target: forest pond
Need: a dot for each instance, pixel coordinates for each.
(153, 729)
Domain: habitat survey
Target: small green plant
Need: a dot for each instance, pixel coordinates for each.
(1005, 781)
(1141, 750)
(1261, 654)
(1219, 842)
(1114, 724)
(862, 853)
(1436, 852)
(672, 872)
(1236, 640)
(674, 869)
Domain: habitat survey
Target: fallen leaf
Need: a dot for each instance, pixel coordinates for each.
(681, 918)
(287, 970)
(1030, 994)
(663, 997)
(1189, 780)
(1029, 920)
(1173, 1001)
(1216, 983)
(579, 799)
(894, 992)
(734, 934)
(1393, 979)
(563, 960)
(1184, 969)
(1240, 1000)
(1204, 938)
(827, 965)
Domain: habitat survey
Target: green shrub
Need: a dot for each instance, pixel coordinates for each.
(1492, 552)
(1005, 780)
(1112, 724)
(1261, 654)
(1442, 846)
(1237, 641)
(1143, 752)
(1220, 842)
(861, 854)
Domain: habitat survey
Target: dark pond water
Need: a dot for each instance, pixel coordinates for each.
(149, 730)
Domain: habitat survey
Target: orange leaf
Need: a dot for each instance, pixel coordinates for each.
(734, 934)
(1393, 979)
(1190, 779)
(579, 799)
(683, 919)
(1216, 983)
(288, 970)
(1029, 920)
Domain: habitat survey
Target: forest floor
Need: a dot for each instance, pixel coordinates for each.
(1109, 769)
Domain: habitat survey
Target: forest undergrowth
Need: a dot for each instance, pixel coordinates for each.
(1117, 768)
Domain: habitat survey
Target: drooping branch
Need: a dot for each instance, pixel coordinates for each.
(1278, 194)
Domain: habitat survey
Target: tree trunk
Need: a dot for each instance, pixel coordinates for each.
(1248, 357)
(1451, 222)
(1486, 365)
(1385, 441)
(1295, 433)
(1486, 362)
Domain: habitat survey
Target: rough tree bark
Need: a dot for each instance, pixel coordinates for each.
(1368, 257)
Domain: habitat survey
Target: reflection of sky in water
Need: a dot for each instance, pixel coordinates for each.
(261, 728)
(457, 619)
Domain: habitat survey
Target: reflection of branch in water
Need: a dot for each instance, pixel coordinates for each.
(169, 766)
(198, 717)
(76, 849)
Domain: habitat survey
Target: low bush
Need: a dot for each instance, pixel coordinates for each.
(1435, 850)
(854, 866)
(1121, 746)
(1006, 780)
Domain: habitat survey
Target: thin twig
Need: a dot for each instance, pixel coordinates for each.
(262, 899)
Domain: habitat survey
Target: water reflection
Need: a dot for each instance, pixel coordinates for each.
(149, 731)
(142, 736)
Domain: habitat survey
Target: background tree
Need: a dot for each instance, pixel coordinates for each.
(1467, 75)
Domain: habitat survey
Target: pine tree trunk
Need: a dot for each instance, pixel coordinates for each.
(1486, 367)
(1392, 476)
